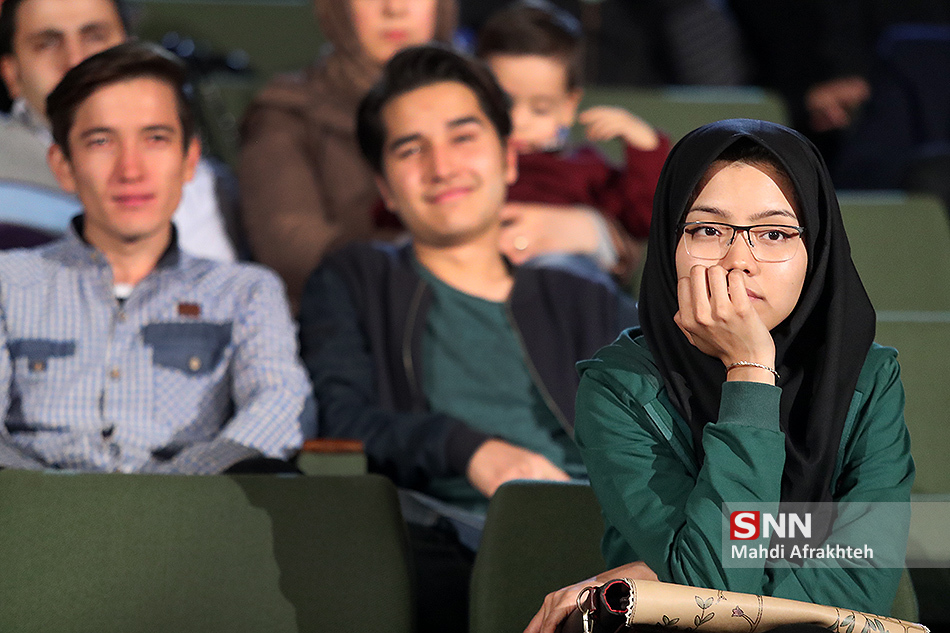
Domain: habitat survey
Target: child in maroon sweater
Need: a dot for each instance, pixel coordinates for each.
(567, 200)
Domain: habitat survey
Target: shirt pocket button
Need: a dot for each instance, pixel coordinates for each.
(194, 363)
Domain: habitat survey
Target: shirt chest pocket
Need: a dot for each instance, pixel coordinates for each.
(33, 356)
(192, 348)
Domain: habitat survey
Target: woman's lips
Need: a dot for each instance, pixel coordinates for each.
(396, 36)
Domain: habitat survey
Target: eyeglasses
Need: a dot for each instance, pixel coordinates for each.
(768, 242)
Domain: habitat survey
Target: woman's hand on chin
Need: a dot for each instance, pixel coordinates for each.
(717, 316)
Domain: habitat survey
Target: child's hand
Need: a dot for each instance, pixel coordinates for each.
(532, 229)
(604, 123)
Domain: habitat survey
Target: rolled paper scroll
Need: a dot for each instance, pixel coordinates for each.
(647, 602)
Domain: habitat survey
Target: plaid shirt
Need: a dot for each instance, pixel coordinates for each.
(195, 371)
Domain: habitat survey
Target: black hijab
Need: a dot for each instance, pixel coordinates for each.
(820, 348)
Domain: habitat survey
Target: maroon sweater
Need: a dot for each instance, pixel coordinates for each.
(582, 175)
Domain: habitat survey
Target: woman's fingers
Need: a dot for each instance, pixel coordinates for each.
(534, 626)
(555, 609)
(684, 297)
(739, 293)
(718, 317)
(685, 317)
(699, 293)
(720, 303)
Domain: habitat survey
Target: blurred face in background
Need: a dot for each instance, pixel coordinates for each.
(445, 169)
(384, 27)
(541, 103)
(51, 37)
(128, 161)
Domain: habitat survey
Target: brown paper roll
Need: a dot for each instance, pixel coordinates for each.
(681, 607)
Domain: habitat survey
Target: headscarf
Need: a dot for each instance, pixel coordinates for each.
(821, 346)
(351, 71)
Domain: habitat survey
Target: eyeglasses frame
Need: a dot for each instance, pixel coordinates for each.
(735, 231)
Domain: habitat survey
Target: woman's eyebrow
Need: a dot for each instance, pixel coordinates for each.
(713, 210)
(771, 213)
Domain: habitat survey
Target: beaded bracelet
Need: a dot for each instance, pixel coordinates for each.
(745, 363)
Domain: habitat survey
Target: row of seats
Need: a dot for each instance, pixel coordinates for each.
(282, 35)
(276, 35)
(901, 247)
(119, 553)
(678, 110)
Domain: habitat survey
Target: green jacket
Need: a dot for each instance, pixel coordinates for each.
(661, 507)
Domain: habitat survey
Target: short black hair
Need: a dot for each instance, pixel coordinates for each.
(420, 66)
(126, 61)
(535, 27)
(8, 12)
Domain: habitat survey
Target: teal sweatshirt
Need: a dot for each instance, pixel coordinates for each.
(660, 506)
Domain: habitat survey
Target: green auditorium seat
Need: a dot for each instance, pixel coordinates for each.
(905, 603)
(901, 246)
(145, 553)
(332, 456)
(924, 354)
(277, 35)
(680, 109)
(539, 537)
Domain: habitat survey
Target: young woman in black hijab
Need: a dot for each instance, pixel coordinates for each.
(755, 379)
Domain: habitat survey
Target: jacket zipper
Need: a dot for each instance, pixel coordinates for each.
(407, 363)
(535, 377)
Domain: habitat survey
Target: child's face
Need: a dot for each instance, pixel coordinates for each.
(542, 103)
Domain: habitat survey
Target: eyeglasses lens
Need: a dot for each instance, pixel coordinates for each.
(770, 243)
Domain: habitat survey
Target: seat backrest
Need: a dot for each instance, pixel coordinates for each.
(271, 37)
(928, 170)
(923, 348)
(144, 553)
(332, 456)
(905, 606)
(276, 36)
(901, 246)
(539, 537)
(681, 109)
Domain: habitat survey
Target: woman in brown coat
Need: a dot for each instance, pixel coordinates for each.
(304, 185)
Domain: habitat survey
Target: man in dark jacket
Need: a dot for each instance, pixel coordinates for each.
(454, 368)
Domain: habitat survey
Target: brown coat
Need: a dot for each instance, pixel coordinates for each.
(305, 187)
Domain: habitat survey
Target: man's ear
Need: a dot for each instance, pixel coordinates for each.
(386, 193)
(62, 168)
(10, 71)
(192, 156)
